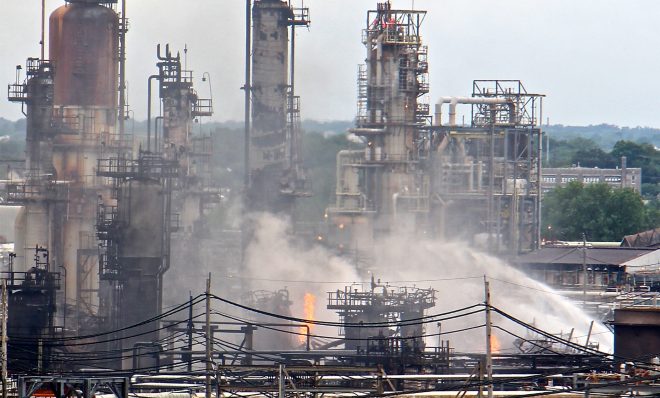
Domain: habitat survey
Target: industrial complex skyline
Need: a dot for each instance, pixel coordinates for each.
(563, 48)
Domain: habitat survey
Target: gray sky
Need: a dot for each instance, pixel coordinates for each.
(596, 60)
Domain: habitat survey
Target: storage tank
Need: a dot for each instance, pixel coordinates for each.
(84, 48)
(31, 230)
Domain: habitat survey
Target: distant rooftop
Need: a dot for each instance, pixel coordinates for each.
(573, 255)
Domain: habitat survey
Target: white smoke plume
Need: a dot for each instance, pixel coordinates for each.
(454, 269)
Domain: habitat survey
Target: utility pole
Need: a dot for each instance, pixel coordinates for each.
(281, 387)
(4, 338)
(489, 348)
(190, 328)
(591, 328)
(209, 368)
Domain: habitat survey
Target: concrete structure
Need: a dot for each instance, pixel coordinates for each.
(622, 177)
(274, 158)
(637, 333)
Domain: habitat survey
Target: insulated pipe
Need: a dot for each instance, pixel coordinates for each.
(152, 77)
(366, 131)
(453, 101)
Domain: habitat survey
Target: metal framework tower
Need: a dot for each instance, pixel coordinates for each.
(134, 237)
(151, 193)
(274, 159)
(382, 304)
(486, 175)
(32, 303)
(386, 187)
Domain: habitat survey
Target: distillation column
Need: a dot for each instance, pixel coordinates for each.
(84, 50)
(34, 221)
(386, 188)
(273, 142)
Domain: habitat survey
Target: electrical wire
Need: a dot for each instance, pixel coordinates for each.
(198, 299)
(311, 335)
(361, 324)
(353, 282)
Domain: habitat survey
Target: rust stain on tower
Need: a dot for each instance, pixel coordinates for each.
(84, 41)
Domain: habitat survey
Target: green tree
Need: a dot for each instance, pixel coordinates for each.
(597, 210)
(644, 156)
(320, 160)
(564, 153)
(594, 157)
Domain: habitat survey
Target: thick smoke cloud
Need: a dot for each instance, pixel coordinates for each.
(453, 269)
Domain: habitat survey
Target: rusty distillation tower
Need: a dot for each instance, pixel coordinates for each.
(72, 105)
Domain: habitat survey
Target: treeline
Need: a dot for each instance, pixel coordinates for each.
(605, 135)
(598, 211)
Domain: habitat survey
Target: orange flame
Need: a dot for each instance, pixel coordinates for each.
(495, 345)
(308, 309)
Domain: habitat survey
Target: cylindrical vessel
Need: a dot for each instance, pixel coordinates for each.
(31, 230)
(84, 48)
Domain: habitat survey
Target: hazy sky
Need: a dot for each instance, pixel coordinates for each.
(596, 60)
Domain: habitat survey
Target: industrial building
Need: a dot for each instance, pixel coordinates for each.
(621, 177)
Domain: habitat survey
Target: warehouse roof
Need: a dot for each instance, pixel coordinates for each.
(573, 255)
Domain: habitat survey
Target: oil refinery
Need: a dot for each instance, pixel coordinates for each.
(402, 287)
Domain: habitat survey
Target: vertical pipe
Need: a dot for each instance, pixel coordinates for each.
(584, 270)
(539, 176)
(4, 338)
(65, 278)
(246, 134)
(189, 330)
(489, 348)
(591, 328)
(209, 368)
(248, 91)
(152, 77)
(249, 343)
(491, 183)
(281, 388)
(293, 139)
(43, 30)
(122, 72)
(480, 369)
